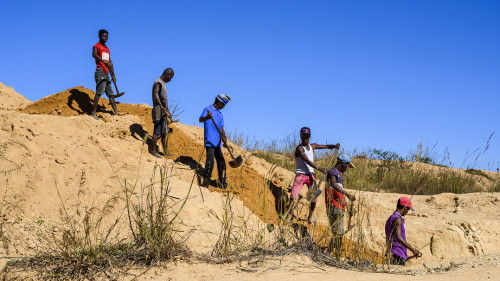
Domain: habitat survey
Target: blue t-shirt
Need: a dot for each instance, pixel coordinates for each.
(212, 137)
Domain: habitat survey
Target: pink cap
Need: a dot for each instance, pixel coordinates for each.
(405, 202)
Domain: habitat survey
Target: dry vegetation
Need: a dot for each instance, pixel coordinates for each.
(385, 171)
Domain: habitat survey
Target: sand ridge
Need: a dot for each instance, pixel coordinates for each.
(10, 99)
(53, 145)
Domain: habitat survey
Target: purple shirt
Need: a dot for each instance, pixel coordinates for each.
(390, 234)
(332, 196)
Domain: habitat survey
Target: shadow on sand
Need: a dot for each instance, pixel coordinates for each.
(85, 103)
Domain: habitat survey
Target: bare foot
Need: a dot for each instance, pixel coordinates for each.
(95, 117)
(155, 154)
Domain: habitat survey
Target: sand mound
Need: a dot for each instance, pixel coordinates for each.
(186, 145)
(44, 155)
(9, 99)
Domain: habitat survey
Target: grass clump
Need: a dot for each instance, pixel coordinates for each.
(90, 243)
(152, 221)
(478, 173)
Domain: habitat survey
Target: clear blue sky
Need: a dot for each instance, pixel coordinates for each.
(381, 74)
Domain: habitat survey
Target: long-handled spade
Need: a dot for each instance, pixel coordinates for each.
(236, 162)
(315, 190)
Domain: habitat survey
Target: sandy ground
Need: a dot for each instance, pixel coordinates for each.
(54, 155)
(301, 268)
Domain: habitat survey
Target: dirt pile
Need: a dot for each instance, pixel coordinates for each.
(52, 148)
(10, 100)
(185, 145)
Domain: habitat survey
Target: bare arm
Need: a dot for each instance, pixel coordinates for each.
(208, 117)
(337, 187)
(156, 97)
(109, 64)
(96, 57)
(299, 152)
(402, 241)
(325, 146)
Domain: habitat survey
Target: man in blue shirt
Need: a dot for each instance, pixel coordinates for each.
(213, 140)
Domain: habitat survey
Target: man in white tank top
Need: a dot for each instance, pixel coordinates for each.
(304, 172)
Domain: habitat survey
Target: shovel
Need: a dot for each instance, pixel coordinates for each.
(117, 95)
(236, 162)
(315, 190)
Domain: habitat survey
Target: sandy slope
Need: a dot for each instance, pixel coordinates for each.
(9, 99)
(52, 152)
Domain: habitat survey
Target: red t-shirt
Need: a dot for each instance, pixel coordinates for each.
(103, 53)
(332, 196)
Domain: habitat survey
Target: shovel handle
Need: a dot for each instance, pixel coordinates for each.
(116, 88)
(220, 134)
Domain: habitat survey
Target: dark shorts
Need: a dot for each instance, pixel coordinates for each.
(103, 83)
(397, 260)
(160, 127)
(336, 219)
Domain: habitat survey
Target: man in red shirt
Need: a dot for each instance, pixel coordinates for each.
(100, 52)
(335, 201)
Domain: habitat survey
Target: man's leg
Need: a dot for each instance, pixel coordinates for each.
(310, 183)
(164, 138)
(338, 245)
(221, 167)
(100, 88)
(338, 233)
(110, 94)
(294, 197)
(113, 105)
(94, 107)
(311, 211)
(209, 166)
(156, 132)
(153, 148)
(291, 208)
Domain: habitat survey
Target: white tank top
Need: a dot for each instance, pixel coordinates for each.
(301, 166)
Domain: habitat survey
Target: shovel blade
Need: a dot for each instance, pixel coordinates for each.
(236, 162)
(315, 193)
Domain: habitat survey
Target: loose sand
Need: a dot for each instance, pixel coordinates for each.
(9, 99)
(52, 152)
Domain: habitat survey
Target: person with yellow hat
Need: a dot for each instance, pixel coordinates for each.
(335, 201)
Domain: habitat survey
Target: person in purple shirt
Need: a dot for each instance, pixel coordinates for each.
(396, 235)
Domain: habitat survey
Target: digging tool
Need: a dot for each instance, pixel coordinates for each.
(418, 256)
(236, 162)
(413, 256)
(118, 94)
(351, 214)
(315, 190)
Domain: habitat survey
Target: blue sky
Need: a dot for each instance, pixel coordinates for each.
(379, 74)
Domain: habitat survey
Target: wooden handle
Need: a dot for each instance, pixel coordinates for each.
(220, 134)
(216, 127)
(116, 88)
